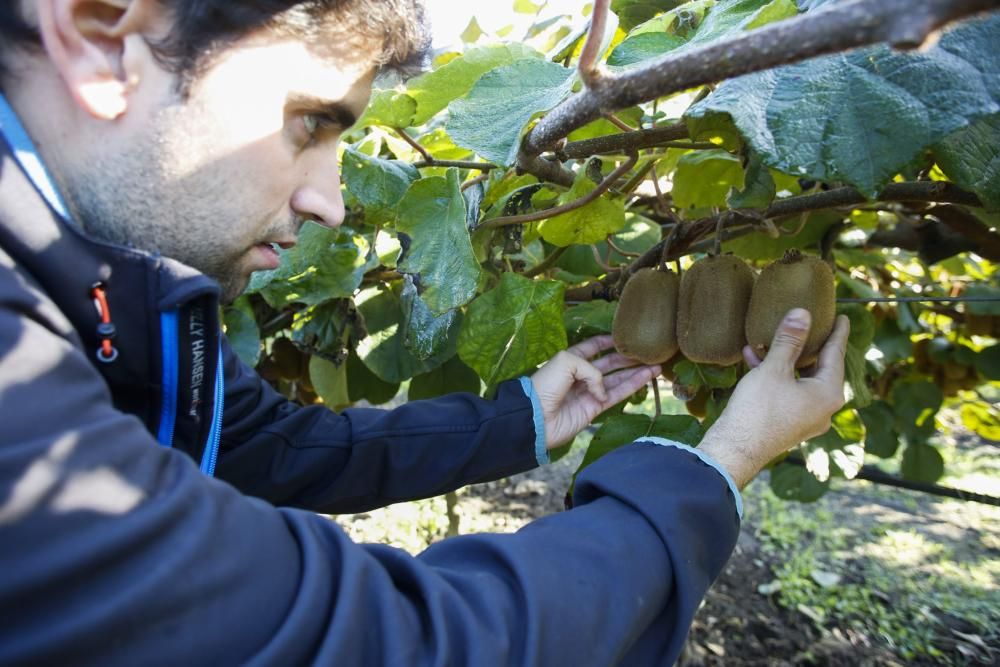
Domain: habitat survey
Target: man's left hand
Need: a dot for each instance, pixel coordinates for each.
(573, 390)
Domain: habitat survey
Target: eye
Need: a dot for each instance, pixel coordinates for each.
(316, 123)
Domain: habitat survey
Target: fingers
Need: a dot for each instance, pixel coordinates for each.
(830, 368)
(788, 341)
(749, 356)
(622, 385)
(613, 362)
(591, 347)
(581, 370)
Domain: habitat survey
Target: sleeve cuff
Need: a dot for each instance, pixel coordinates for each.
(541, 451)
(707, 460)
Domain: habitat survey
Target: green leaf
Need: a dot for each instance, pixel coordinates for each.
(639, 235)
(971, 158)
(377, 184)
(696, 376)
(324, 329)
(645, 46)
(988, 362)
(439, 255)
(983, 307)
(243, 335)
(389, 108)
(689, 26)
(325, 264)
(587, 224)
(704, 178)
(848, 425)
(983, 419)
(384, 350)
(761, 247)
(330, 382)
(490, 119)
(759, 190)
(626, 428)
(435, 90)
(922, 463)
(451, 377)
(589, 319)
(472, 32)
(362, 384)
(513, 328)
(526, 7)
(862, 325)
(426, 334)
(635, 12)
(881, 438)
(915, 403)
(793, 482)
(863, 116)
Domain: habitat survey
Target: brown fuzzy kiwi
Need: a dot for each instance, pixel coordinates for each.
(644, 324)
(795, 281)
(715, 293)
(978, 325)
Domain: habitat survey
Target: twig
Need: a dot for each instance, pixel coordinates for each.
(600, 261)
(618, 122)
(833, 28)
(590, 71)
(547, 263)
(656, 397)
(413, 143)
(546, 170)
(604, 186)
(473, 181)
(623, 253)
(460, 164)
(628, 141)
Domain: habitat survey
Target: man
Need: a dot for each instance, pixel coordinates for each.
(151, 143)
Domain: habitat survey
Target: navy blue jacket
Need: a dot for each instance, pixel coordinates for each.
(116, 547)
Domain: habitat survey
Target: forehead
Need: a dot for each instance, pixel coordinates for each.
(265, 65)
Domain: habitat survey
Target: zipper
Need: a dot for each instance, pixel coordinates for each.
(211, 455)
(168, 414)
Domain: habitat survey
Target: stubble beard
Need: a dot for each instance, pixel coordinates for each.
(132, 199)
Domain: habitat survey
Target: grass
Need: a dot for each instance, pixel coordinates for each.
(894, 583)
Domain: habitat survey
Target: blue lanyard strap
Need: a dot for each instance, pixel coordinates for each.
(27, 157)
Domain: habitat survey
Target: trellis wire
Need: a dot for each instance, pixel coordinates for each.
(921, 299)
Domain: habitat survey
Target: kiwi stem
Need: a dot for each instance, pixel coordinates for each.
(656, 396)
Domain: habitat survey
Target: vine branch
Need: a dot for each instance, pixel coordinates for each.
(603, 187)
(590, 70)
(830, 29)
(625, 142)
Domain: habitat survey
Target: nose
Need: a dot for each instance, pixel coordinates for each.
(319, 198)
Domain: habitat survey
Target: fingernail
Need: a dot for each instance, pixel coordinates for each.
(798, 318)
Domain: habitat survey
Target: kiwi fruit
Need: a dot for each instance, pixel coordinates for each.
(714, 296)
(644, 325)
(978, 325)
(794, 281)
(698, 406)
(287, 358)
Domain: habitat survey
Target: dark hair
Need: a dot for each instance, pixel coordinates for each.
(204, 28)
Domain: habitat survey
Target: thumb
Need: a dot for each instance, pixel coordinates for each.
(789, 340)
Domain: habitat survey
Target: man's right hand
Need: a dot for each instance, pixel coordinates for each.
(771, 410)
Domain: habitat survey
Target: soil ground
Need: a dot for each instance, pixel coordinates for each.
(866, 576)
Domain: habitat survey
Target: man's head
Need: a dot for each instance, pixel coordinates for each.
(202, 129)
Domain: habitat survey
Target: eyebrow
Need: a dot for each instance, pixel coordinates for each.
(338, 110)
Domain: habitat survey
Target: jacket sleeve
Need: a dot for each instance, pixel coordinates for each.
(362, 458)
(115, 551)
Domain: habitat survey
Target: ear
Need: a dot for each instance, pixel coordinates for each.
(87, 42)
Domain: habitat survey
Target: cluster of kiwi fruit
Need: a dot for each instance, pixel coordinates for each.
(950, 365)
(719, 306)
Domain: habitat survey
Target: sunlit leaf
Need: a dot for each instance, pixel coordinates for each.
(439, 254)
(861, 117)
(491, 118)
(513, 328)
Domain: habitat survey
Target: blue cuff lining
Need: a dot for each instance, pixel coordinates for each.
(707, 460)
(541, 452)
